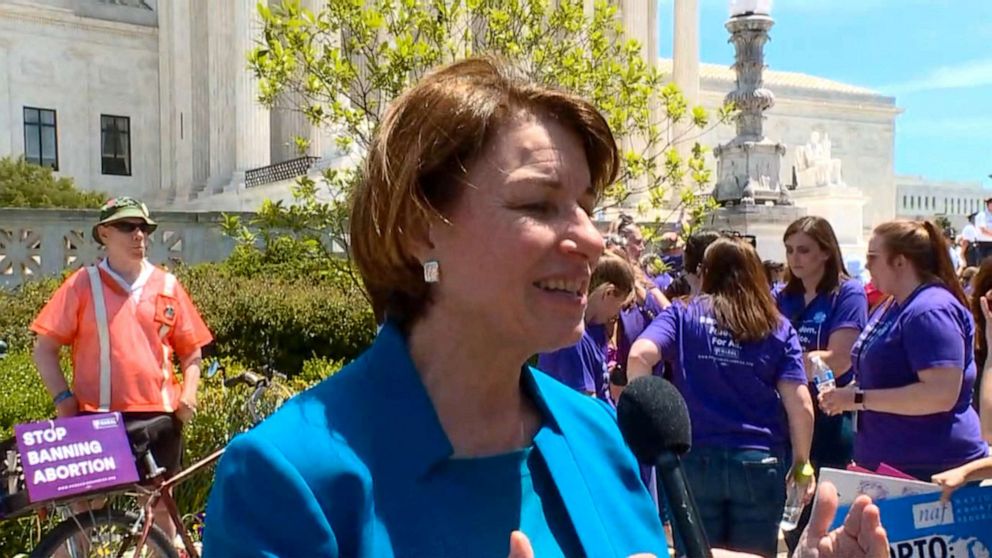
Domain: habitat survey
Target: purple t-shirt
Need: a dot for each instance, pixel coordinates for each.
(582, 366)
(662, 280)
(930, 329)
(844, 308)
(632, 323)
(729, 387)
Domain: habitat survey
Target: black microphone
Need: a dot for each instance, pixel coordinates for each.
(654, 422)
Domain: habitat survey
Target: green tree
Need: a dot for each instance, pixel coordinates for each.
(23, 184)
(341, 66)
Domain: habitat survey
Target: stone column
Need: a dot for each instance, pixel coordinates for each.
(640, 22)
(686, 66)
(220, 66)
(252, 146)
(199, 121)
(175, 98)
(287, 122)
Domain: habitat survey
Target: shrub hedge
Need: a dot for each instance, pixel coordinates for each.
(256, 319)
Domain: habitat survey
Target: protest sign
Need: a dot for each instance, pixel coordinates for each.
(76, 455)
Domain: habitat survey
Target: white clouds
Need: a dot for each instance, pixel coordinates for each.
(975, 73)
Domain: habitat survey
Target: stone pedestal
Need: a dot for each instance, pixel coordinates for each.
(766, 222)
(843, 207)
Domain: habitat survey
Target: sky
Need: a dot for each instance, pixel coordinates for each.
(933, 56)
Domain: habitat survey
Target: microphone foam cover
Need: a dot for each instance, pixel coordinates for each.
(653, 419)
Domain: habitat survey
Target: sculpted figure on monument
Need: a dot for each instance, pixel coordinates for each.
(815, 165)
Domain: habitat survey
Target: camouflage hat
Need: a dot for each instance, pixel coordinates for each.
(122, 207)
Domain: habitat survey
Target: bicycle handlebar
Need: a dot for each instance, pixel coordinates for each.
(253, 379)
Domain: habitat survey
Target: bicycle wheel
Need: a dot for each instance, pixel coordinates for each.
(266, 399)
(101, 533)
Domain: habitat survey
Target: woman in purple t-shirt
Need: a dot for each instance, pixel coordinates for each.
(828, 309)
(583, 366)
(736, 361)
(914, 362)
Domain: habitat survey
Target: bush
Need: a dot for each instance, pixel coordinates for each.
(273, 320)
(23, 397)
(18, 308)
(23, 184)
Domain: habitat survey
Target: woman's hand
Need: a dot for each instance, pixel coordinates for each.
(836, 401)
(790, 479)
(861, 536)
(520, 547)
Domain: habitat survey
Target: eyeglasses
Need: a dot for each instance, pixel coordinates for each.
(130, 226)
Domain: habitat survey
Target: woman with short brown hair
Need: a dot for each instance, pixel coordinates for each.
(473, 235)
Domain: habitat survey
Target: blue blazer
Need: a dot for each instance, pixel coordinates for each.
(344, 469)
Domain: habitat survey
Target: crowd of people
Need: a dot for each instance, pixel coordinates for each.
(472, 230)
(739, 345)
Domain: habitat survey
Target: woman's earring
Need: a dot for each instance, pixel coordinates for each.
(432, 271)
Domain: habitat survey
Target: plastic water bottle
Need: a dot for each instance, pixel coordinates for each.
(801, 478)
(823, 376)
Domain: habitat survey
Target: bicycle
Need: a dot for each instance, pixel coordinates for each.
(110, 531)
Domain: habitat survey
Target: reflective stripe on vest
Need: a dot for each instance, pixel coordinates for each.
(168, 289)
(103, 334)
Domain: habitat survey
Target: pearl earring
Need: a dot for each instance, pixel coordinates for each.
(432, 271)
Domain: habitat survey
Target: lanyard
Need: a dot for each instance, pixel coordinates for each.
(871, 334)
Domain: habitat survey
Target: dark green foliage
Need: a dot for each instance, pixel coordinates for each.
(23, 184)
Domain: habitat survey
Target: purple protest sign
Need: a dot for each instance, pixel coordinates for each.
(68, 456)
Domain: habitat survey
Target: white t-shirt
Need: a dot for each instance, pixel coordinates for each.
(969, 233)
(983, 220)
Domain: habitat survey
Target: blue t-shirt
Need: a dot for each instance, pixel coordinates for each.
(844, 308)
(730, 388)
(931, 329)
(517, 493)
(582, 366)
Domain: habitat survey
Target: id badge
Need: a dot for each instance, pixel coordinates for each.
(165, 310)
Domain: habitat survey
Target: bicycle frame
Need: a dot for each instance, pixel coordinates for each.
(162, 491)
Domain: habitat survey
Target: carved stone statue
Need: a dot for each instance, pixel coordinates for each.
(815, 165)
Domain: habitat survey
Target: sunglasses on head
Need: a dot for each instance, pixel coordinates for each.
(130, 227)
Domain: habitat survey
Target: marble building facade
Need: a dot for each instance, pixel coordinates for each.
(173, 72)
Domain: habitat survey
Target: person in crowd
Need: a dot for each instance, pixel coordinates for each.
(875, 296)
(828, 309)
(914, 361)
(980, 297)
(967, 276)
(737, 362)
(958, 263)
(125, 320)
(967, 242)
(583, 366)
(687, 283)
(671, 248)
(775, 272)
(473, 235)
(983, 229)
